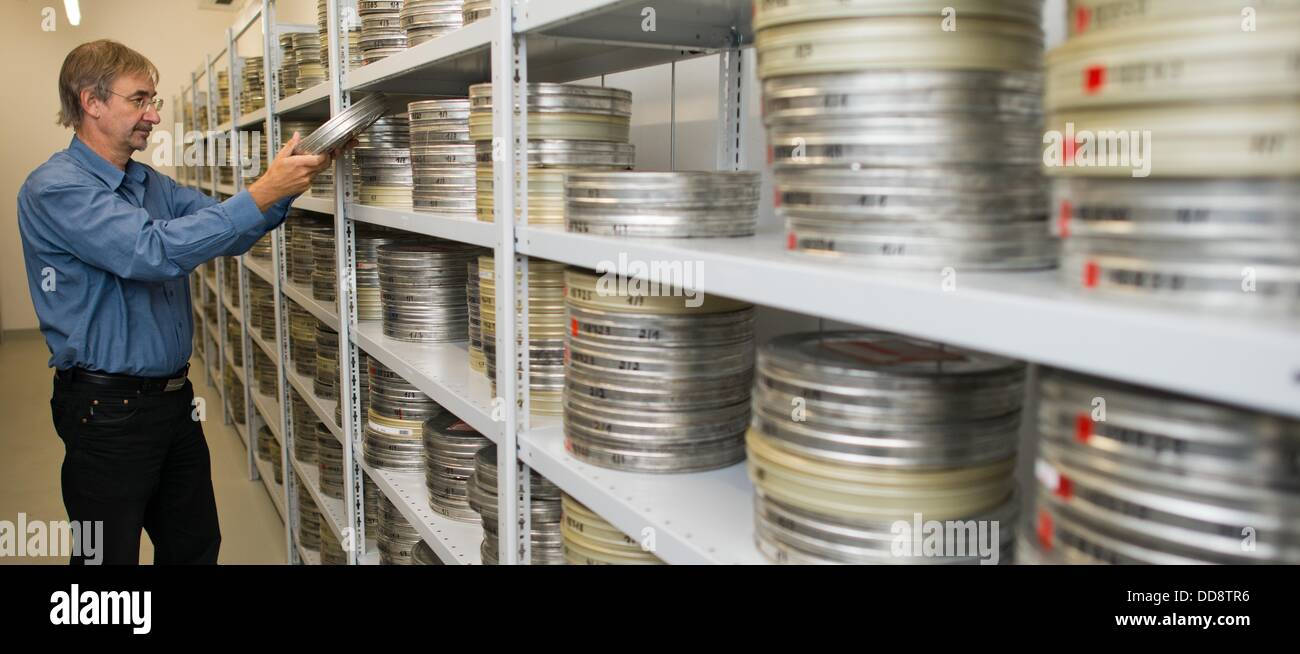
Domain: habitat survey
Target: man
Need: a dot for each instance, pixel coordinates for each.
(108, 243)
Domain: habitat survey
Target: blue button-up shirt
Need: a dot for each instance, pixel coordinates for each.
(107, 254)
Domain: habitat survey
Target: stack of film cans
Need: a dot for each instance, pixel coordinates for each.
(302, 339)
(1128, 474)
(381, 29)
(331, 551)
(302, 245)
(307, 60)
(304, 128)
(264, 369)
(261, 308)
(372, 495)
(262, 248)
(655, 381)
(325, 384)
(546, 312)
(382, 163)
(449, 448)
(662, 204)
(323, 270)
(223, 96)
(304, 428)
(899, 139)
(546, 543)
(571, 128)
(288, 81)
(397, 538)
(353, 33)
(329, 462)
(423, 555)
(442, 157)
(476, 10)
(252, 93)
(1176, 154)
(368, 240)
(854, 432)
(427, 19)
(394, 437)
(235, 342)
(309, 522)
(235, 395)
(477, 360)
(422, 285)
(590, 540)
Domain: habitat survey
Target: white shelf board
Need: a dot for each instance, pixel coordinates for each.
(446, 64)
(301, 295)
(453, 542)
(228, 189)
(267, 348)
(1027, 315)
(210, 282)
(276, 491)
(465, 230)
(371, 557)
(697, 518)
(270, 410)
(232, 311)
(331, 510)
(324, 409)
(310, 203)
(255, 118)
(439, 370)
(705, 24)
(260, 267)
(313, 102)
(224, 127)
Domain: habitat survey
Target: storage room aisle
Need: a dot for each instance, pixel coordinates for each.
(251, 531)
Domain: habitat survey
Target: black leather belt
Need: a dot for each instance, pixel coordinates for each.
(124, 382)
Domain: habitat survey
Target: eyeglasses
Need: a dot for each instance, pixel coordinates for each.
(142, 103)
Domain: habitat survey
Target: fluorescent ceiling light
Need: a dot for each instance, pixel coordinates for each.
(73, 10)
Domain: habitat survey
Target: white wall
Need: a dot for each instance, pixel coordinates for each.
(174, 34)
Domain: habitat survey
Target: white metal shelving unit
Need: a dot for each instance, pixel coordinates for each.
(702, 517)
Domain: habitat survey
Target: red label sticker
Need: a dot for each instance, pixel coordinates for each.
(1094, 77)
(1082, 427)
(1064, 488)
(1063, 223)
(1068, 151)
(1091, 274)
(790, 241)
(575, 326)
(776, 197)
(1082, 18)
(1045, 529)
(770, 155)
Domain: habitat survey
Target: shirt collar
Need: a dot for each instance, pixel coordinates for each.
(102, 168)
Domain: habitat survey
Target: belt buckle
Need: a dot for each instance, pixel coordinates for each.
(174, 384)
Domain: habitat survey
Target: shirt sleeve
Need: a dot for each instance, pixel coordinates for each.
(104, 230)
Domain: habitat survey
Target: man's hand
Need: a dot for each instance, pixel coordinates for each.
(289, 174)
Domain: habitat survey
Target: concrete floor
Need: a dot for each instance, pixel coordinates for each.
(31, 454)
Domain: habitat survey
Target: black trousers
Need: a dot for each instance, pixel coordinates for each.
(137, 461)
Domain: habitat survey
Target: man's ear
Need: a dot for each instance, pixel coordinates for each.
(90, 103)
